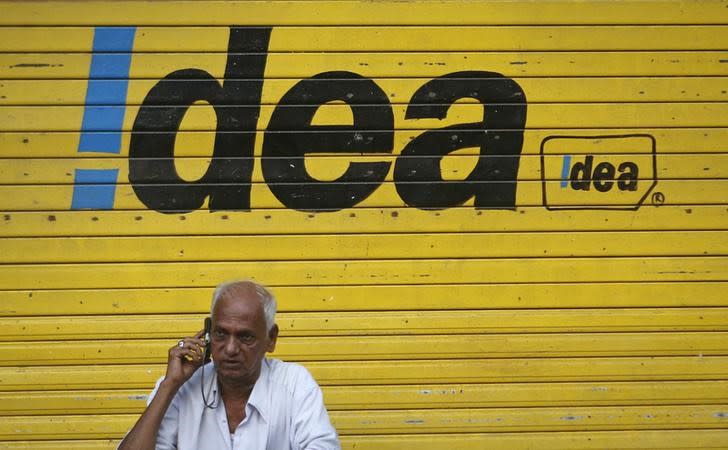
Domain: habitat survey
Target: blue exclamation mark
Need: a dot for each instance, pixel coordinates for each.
(103, 115)
(565, 171)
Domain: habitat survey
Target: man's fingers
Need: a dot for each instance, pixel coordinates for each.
(199, 334)
(193, 343)
(189, 354)
(186, 349)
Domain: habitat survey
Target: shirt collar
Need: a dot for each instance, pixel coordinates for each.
(259, 396)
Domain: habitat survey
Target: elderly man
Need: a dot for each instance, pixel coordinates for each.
(241, 400)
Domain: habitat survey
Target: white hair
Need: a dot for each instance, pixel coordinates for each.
(267, 301)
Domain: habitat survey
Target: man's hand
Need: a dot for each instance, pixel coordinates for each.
(184, 359)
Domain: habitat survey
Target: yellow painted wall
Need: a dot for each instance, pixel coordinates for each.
(559, 319)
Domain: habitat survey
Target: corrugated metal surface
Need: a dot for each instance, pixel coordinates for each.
(506, 228)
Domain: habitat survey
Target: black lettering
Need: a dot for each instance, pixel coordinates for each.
(290, 136)
(629, 174)
(499, 136)
(602, 172)
(581, 174)
(227, 179)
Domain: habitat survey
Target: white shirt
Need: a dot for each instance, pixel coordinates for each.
(285, 411)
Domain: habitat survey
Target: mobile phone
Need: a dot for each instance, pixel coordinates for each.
(206, 338)
(212, 404)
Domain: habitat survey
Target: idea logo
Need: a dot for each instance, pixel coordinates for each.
(289, 134)
(597, 172)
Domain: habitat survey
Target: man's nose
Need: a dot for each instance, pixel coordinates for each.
(231, 347)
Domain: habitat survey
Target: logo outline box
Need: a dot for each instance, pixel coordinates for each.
(648, 191)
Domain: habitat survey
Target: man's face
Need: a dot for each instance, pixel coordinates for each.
(239, 336)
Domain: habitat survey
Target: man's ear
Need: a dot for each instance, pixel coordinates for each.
(272, 338)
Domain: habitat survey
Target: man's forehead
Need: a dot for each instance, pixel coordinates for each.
(239, 301)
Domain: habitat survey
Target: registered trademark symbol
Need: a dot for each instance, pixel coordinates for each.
(658, 198)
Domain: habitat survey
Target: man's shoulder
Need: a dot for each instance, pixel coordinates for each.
(290, 376)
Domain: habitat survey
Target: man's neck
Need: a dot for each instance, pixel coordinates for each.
(234, 390)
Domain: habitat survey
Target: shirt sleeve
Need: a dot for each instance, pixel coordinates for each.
(312, 429)
(170, 440)
(167, 435)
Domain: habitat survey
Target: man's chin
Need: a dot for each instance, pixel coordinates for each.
(232, 371)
